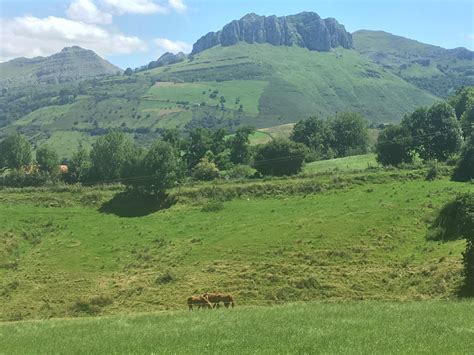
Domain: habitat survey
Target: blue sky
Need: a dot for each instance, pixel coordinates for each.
(131, 33)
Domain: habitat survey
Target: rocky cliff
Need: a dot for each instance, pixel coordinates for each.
(306, 30)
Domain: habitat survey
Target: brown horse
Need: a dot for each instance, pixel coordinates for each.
(199, 301)
(216, 298)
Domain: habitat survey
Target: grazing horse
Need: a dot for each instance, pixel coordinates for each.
(199, 301)
(216, 298)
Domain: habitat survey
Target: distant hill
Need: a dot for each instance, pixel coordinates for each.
(72, 64)
(431, 68)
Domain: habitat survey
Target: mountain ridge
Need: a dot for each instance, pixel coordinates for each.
(306, 29)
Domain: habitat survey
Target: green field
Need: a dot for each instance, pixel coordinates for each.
(336, 236)
(355, 328)
(359, 162)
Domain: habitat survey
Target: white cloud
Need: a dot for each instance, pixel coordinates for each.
(166, 45)
(32, 36)
(177, 5)
(136, 6)
(86, 11)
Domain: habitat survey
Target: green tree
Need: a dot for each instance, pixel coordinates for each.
(109, 154)
(15, 152)
(172, 136)
(239, 145)
(435, 132)
(47, 159)
(280, 157)
(464, 170)
(159, 169)
(350, 134)
(79, 165)
(467, 120)
(392, 147)
(316, 134)
(461, 100)
(199, 144)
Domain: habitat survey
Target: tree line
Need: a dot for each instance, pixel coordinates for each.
(441, 132)
(202, 154)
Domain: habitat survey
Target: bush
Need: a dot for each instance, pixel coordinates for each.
(19, 178)
(433, 171)
(166, 278)
(280, 157)
(392, 146)
(205, 170)
(455, 221)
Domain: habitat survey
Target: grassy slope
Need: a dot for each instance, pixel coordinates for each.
(399, 54)
(359, 328)
(304, 82)
(362, 237)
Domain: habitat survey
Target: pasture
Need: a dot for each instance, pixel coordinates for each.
(328, 328)
(327, 236)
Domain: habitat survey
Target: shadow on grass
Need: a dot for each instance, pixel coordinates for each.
(135, 204)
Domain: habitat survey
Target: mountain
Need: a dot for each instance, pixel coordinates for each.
(305, 30)
(227, 85)
(431, 68)
(72, 64)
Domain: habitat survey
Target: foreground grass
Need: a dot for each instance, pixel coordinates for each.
(364, 328)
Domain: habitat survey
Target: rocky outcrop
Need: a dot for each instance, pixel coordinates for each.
(306, 30)
(166, 59)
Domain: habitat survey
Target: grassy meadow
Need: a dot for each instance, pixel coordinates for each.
(355, 328)
(322, 236)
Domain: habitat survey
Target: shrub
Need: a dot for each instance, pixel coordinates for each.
(205, 170)
(433, 171)
(165, 278)
(280, 157)
(392, 146)
(84, 307)
(455, 221)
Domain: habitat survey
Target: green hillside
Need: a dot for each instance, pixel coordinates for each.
(355, 328)
(259, 85)
(330, 235)
(431, 68)
(303, 82)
